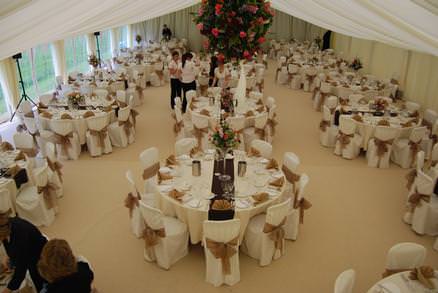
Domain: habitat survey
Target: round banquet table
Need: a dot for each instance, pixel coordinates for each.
(193, 209)
(369, 123)
(400, 283)
(203, 103)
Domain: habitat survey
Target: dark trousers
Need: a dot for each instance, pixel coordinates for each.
(36, 278)
(175, 90)
(187, 87)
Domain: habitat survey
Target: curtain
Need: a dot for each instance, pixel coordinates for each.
(91, 44)
(9, 82)
(59, 61)
(417, 72)
(115, 40)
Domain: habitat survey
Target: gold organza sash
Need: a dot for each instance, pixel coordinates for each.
(48, 194)
(416, 198)
(101, 135)
(132, 201)
(323, 125)
(151, 171)
(302, 204)
(223, 251)
(152, 238)
(344, 139)
(260, 198)
(55, 167)
(276, 233)
(127, 126)
(423, 275)
(64, 141)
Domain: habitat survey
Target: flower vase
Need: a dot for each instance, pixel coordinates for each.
(222, 154)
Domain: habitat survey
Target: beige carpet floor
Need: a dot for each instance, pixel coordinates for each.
(355, 218)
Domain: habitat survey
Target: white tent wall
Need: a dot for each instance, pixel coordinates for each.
(417, 72)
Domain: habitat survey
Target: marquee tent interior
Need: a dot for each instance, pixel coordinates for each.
(356, 214)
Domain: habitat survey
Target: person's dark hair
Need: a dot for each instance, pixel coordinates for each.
(213, 65)
(174, 53)
(57, 260)
(185, 57)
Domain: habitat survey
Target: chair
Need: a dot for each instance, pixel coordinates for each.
(150, 161)
(24, 142)
(132, 202)
(265, 148)
(405, 149)
(271, 123)
(121, 96)
(37, 204)
(404, 256)
(345, 282)
(200, 130)
(122, 132)
(178, 128)
(380, 146)
(55, 167)
(412, 106)
(6, 201)
(184, 146)
(355, 99)
(258, 131)
(98, 141)
(222, 238)
(296, 210)
(166, 238)
(67, 141)
(238, 125)
(348, 142)
(321, 95)
(420, 215)
(45, 99)
(190, 95)
(101, 93)
(327, 130)
(264, 236)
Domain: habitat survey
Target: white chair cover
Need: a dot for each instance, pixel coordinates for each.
(345, 282)
(405, 149)
(293, 218)
(98, 140)
(122, 131)
(238, 124)
(54, 168)
(148, 158)
(327, 129)
(170, 248)
(382, 134)
(137, 222)
(347, 127)
(64, 128)
(201, 122)
(6, 201)
(259, 129)
(256, 243)
(265, 148)
(184, 146)
(405, 256)
(30, 203)
(222, 232)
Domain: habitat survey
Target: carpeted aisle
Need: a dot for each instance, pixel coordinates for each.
(355, 218)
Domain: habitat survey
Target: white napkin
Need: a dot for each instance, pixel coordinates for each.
(194, 203)
(242, 204)
(165, 170)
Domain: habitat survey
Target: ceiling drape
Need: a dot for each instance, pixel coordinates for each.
(409, 24)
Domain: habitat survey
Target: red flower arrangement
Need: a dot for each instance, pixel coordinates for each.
(236, 29)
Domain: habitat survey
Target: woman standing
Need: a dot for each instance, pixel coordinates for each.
(63, 272)
(187, 77)
(221, 75)
(23, 243)
(175, 72)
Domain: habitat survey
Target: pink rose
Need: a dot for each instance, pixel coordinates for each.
(261, 40)
(246, 54)
(200, 11)
(215, 32)
(218, 8)
(242, 35)
(200, 26)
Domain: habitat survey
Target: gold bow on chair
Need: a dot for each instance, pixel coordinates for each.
(101, 135)
(151, 238)
(254, 152)
(132, 201)
(276, 233)
(323, 125)
(34, 136)
(423, 275)
(344, 139)
(260, 132)
(290, 176)
(30, 152)
(272, 123)
(171, 161)
(321, 101)
(151, 171)
(198, 133)
(178, 127)
(302, 204)
(272, 164)
(55, 167)
(127, 126)
(416, 198)
(6, 146)
(410, 177)
(64, 141)
(223, 251)
(47, 191)
(415, 148)
(382, 147)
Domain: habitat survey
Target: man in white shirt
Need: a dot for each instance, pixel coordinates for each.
(175, 73)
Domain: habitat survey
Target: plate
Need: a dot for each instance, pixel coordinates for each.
(194, 203)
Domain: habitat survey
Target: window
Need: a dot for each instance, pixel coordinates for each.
(4, 115)
(123, 37)
(76, 54)
(105, 45)
(43, 68)
(37, 71)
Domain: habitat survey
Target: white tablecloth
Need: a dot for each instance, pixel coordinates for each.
(397, 284)
(193, 209)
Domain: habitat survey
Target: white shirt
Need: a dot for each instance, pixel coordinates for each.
(188, 72)
(176, 66)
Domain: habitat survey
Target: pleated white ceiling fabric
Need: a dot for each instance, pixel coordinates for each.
(409, 24)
